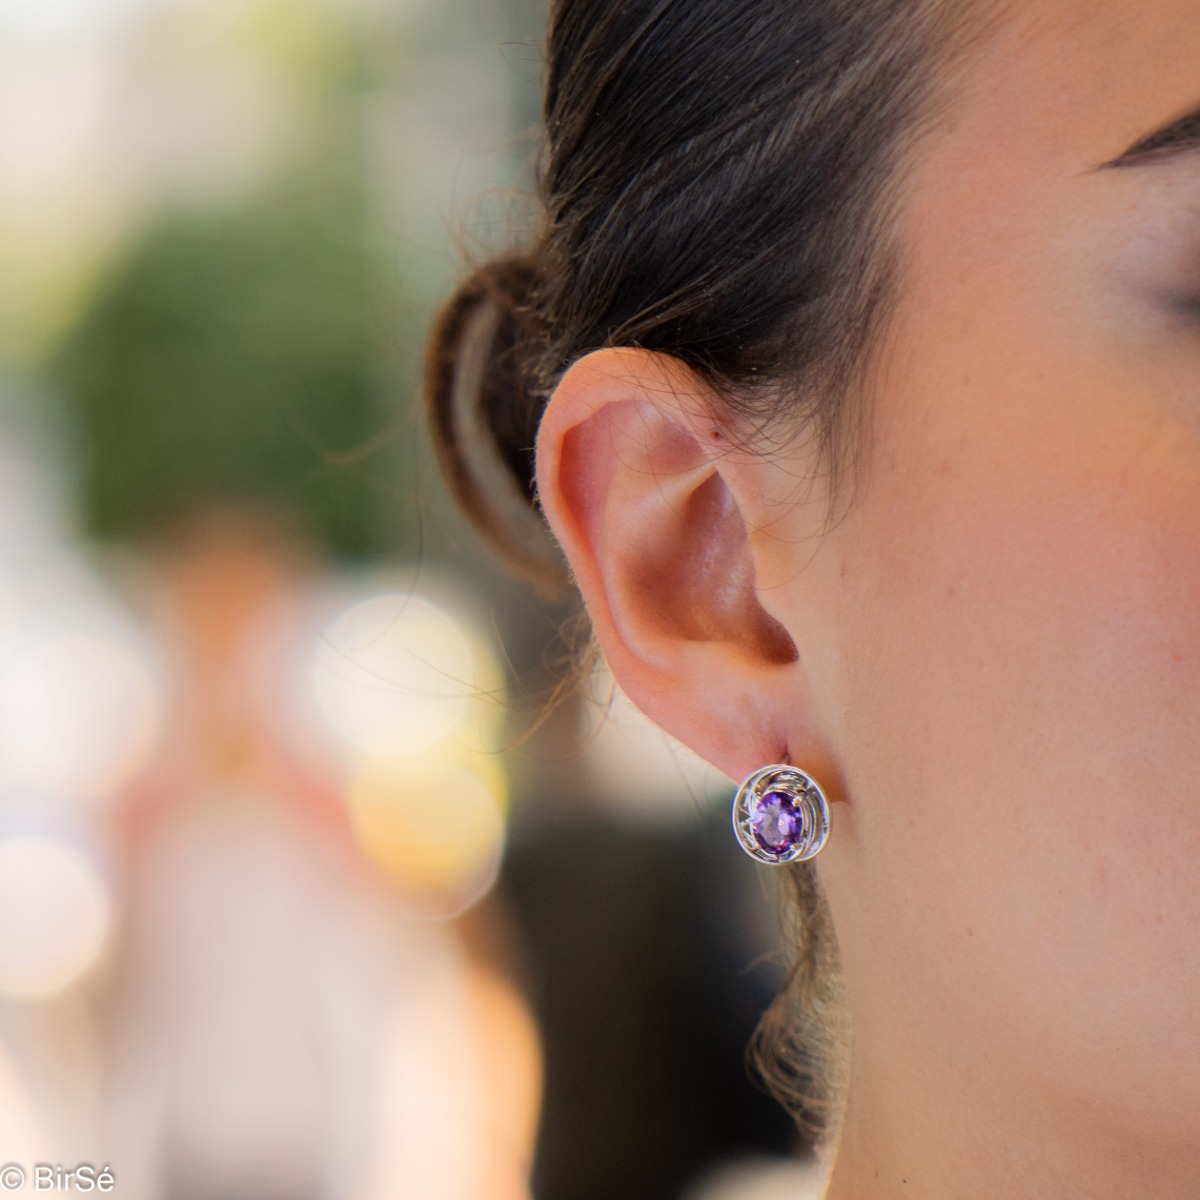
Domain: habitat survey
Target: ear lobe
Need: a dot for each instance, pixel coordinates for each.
(630, 474)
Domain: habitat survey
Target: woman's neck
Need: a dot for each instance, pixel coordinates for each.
(916, 1128)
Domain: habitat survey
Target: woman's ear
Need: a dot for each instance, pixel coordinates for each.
(639, 485)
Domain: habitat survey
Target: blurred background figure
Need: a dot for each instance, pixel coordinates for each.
(280, 1021)
(302, 893)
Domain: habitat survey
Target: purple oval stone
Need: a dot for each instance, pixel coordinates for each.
(777, 824)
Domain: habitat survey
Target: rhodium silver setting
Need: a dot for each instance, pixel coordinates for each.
(780, 815)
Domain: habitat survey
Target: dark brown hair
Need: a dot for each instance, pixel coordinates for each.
(719, 184)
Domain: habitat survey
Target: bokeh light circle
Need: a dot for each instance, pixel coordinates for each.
(80, 711)
(432, 826)
(54, 915)
(394, 674)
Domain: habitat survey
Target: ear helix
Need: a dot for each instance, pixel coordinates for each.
(780, 815)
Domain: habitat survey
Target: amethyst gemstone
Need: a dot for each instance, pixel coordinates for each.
(777, 824)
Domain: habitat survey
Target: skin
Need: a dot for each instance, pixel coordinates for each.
(991, 658)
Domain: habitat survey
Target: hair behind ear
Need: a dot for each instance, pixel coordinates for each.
(483, 405)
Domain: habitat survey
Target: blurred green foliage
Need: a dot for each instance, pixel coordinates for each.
(266, 354)
(239, 358)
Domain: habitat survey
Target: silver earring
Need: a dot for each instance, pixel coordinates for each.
(780, 815)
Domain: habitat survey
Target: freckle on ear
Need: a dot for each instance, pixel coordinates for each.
(716, 435)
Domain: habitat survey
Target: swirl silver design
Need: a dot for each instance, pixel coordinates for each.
(807, 814)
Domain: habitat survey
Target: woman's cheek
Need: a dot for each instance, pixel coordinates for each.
(1023, 712)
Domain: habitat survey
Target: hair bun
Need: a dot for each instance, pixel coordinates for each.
(484, 402)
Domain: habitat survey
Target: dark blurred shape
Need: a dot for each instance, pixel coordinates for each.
(649, 960)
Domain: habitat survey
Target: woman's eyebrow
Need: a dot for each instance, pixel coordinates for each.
(1181, 136)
